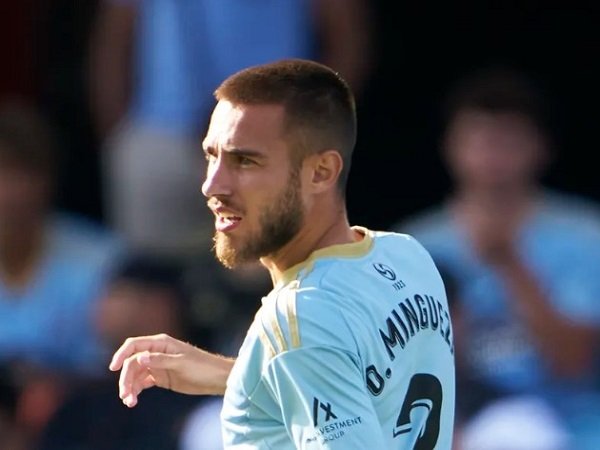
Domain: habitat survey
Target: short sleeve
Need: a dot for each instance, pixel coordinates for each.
(324, 403)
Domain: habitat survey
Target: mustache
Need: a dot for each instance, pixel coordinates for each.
(214, 203)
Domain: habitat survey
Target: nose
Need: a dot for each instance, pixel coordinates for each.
(218, 180)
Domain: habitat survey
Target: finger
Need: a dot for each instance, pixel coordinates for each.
(131, 372)
(129, 347)
(136, 374)
(158, 360)
(132, 346)
(132, 399)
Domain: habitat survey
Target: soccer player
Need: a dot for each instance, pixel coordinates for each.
(352, 349)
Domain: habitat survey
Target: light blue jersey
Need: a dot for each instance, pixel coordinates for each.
(352, 350)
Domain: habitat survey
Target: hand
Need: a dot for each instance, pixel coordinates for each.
(492, 234)
(163, 361)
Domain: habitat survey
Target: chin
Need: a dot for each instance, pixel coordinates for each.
(227, 251)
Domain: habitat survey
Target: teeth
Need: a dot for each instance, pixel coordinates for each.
(228, 217)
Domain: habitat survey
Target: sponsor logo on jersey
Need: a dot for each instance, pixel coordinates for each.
(388, 273)
(320, 408)
(327, 425)
(385, 271)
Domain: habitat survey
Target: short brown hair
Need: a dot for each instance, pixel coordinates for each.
(320, 107)
(498, 89)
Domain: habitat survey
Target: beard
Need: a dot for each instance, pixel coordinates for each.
(279, 222)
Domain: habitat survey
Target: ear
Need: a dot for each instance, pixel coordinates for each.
(324, 169)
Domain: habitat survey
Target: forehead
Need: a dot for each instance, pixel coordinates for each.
(238, 125)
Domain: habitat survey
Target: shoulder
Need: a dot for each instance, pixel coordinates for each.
(571, 210)
(406, 252)
(324, 305)
(397, 240)
(297, 317)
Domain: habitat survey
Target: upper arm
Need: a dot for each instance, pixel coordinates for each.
(323, 399)
(109, 65)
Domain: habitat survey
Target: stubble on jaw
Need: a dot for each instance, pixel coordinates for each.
(279, 222)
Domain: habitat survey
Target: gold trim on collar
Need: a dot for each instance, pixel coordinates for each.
(349, 250)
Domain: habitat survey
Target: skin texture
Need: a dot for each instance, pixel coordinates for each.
(248, 177)
(268, 208)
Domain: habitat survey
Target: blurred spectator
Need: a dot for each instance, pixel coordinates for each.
(223, 305)
(223, 302)
(153, 67)
(53, 267)
(487, 418)
(11, 436)
(201, 302)
(145, 296)
(525, 257)
(472, 392)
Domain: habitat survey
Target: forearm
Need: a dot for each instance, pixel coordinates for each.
(213, 381)
(109, 65)
(163, 361)
(566, 345)
(346, 39)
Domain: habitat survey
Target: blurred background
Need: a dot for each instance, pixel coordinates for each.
(102, 105)
(421, 50)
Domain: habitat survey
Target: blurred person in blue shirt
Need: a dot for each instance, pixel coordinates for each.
(53, 268)
(525, 258)
(153, 67)
(145, 295)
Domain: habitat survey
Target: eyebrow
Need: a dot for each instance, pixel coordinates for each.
(238, 152)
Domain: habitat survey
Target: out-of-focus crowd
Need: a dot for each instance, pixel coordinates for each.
(521, 261)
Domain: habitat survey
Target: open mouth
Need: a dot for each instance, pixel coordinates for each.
(226, 222)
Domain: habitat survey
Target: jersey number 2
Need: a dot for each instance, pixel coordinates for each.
(420, 413)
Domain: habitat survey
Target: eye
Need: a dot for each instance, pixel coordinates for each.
(244, 161)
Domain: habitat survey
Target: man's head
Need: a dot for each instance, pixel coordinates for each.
(27, 164)
(280, 141)
(496, 130)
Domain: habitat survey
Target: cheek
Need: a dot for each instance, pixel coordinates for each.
(261, 194)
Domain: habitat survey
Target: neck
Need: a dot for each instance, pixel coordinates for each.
(319, 231)
(502, 198)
